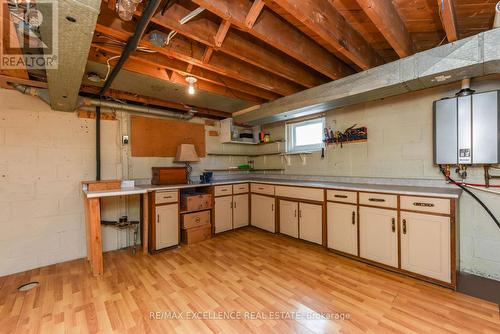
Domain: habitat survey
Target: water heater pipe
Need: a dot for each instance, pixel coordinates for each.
(496, 22)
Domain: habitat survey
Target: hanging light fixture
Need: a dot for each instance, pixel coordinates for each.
(191, 81)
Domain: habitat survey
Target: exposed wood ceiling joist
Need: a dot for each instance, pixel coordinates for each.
(254, 13)
(448, 18)
(236, 45)
(271, 29)
(220, 36)
(387, 20)
(155, 64)
(116, 94)
(323, 19)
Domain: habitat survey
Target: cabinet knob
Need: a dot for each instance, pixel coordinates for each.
(404, 226)
(393, 224)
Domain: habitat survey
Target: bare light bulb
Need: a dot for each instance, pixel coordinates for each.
(191, 81)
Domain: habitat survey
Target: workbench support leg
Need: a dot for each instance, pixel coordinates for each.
(94, 239)
(145, 223)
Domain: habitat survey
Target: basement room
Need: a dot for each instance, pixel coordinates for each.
(250, 166)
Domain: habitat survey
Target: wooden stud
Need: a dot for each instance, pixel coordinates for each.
(387, 20)
(145, 222)
(254, 13)
(448, 19)
(94, 240)
(207, 54)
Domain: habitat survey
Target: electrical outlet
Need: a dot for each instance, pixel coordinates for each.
(125, 140)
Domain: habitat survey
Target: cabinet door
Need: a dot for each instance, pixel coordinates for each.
(289, 218)
(378, 235)
(425, 245)
(167, 226)
(240, 210)
(311, 222)
(223, 214)
(263, 212)
(342, 227)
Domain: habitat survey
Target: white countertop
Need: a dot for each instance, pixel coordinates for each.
(445, 192)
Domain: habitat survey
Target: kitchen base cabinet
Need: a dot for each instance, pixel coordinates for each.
(240, 210)
(342, 227)
(289, 218)
(311, 222)
(425, 245)
(223, 218)
(167, 226)
(262, 212)
(378, 235)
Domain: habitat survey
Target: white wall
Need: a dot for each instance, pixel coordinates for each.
(44, 155)
(400, 145)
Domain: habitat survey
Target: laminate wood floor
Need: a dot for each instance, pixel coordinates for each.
(245, 281)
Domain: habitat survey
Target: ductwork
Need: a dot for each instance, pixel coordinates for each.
(89, 104)
(471, 57)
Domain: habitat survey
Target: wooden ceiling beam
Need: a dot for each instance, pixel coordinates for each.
(154, 65)
(192, 52)
(271, 29)
(121, 95)
(209, 33)
(220, 36)
(448, 19)
(385, 17)
(254, 12)
(323, 19)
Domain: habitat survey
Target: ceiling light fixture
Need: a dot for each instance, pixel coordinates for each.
(191, 81)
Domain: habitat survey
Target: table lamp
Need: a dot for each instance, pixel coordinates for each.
(187, 153)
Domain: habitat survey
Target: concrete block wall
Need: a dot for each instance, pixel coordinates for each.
(400, 145)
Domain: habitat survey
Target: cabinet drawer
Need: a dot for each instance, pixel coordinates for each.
(260, 188)
(382, 200)
(190, 202)
(223, 190)
(196, 234)
(240, 188)
(162, 197)
(425, 204)
(195, 219)
(312, 194)
(342, 196)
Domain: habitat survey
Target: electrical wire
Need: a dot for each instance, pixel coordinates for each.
(109, 66)
(464, 188)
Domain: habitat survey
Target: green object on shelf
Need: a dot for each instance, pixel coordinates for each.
(244, 167)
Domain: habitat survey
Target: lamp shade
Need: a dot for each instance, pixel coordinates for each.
(186, 153)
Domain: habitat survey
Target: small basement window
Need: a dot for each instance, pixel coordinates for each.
(305, 136)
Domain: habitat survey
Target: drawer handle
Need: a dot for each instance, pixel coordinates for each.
(393, 225)
(404, 226)
(224, 189)
(340, 196)
(376, 200)
(422, 204)
(354, 218)
(260, 188)
(167, 197)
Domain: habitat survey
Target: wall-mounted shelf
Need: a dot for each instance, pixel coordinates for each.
(240, 142)
(244, 170)
(349, 142)
(242, 154)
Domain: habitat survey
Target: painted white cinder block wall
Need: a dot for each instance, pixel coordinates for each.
(400, 145)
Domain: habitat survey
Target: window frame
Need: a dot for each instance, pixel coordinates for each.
(291, 140)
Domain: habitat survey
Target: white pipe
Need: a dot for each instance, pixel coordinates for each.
(484, 189)
(496, 22)
(466, 83)
(191, 15)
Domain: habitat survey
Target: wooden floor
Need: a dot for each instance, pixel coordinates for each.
(255, 273)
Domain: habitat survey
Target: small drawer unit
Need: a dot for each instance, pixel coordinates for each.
(195, 219)
(195, 201)
(223, 190)
(380, 200)
(426, 204)
(264, 189)
(164, 197)
(342, 196)
(241, 188)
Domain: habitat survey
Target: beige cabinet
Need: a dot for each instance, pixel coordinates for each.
(342, 227)
(311, 222)
(223, 214)
(289, 218)
(378, 235)
(262, 212)
(167, 225)
(425, 245)
(240, 210)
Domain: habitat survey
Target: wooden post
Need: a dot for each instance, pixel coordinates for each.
(145, 222)
(94, 240)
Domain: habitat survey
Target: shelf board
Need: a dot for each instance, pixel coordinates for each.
(272, 142)
(350, 142)
(243, 155)
(244, 170)
(192, 211)
(240, 142)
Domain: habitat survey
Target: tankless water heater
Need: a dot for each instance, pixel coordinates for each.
(467, 129)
